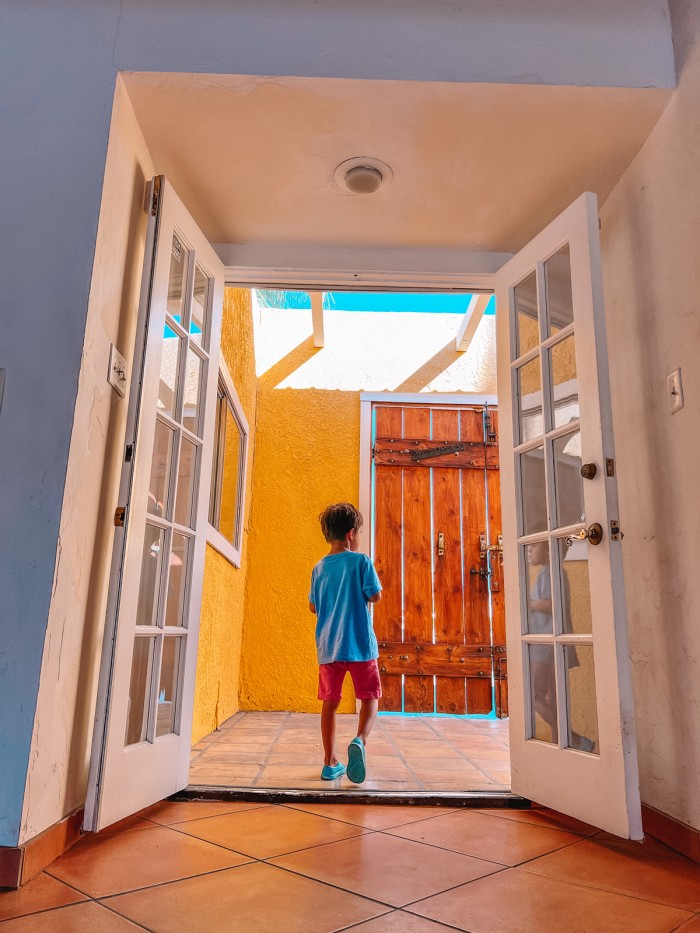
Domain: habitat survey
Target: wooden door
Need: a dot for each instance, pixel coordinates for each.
(436, 547)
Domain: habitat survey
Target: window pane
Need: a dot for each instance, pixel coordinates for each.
(230, 480)
(564, 382)
(530, 417)
(139, 690)
(200, 302)
(538, 580)
(177, 580)
(193, 382)
(560, 306)
(543, 693)
(176, 279)
(575, 588)
(149, 586)
(160, 469)
(167, 688)
(526, 315)
(184, 500)
(534, 496)
(581, 698)
(568, 480)
(169, 365)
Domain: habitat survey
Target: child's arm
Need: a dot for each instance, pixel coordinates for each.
(312, 608)
(375, 598)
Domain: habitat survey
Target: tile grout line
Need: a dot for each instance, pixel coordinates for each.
(478, 768)
(398, 910)
(421, 819)
(100, 898)
(591, 887)
(47, 910)
(263, 765)
(419, 784)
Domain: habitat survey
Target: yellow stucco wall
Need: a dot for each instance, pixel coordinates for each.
(221, 621)
(307, 456)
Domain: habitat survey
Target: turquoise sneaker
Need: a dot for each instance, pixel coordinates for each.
(357, 769)
(331, 772)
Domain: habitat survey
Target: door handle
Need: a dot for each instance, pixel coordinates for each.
(593, 534)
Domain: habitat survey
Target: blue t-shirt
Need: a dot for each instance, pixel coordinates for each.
(341, 584)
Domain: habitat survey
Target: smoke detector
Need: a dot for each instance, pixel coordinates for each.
(362, 175)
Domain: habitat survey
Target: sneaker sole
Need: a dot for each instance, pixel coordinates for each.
(356, 769)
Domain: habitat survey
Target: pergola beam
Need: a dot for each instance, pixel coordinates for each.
(317, 318)
(472, 319)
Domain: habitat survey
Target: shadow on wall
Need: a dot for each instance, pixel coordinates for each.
(373, 351)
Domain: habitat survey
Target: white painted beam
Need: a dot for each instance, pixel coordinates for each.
(324, 268)
(472, 319)
(317, 318)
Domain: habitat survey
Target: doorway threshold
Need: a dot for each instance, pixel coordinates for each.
(483, 800)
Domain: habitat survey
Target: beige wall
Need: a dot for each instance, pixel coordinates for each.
(59, 759)
(651, 257)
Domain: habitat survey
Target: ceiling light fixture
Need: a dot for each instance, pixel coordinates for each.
(362, 175)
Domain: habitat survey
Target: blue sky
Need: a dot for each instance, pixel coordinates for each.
(427, 303)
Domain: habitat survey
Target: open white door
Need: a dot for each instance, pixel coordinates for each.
(572, 719)
(141, 743)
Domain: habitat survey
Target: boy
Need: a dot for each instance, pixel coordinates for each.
(342, 585)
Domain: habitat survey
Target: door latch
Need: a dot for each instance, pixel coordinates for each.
(441, 544)
(593, 534)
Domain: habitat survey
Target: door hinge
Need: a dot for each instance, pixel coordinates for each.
(609, 466)
(119, 516)
(152, 199)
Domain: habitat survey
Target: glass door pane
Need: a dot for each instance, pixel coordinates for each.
(549, 459)
(172, 499)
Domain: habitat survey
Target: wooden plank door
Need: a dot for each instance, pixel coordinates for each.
(436, 524)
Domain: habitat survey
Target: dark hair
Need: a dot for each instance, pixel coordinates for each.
(337, 520)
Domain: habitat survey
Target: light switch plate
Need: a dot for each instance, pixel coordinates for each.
(117, 371)
(674, 387)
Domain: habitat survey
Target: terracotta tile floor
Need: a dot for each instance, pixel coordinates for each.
(426, 753)
(205, 867)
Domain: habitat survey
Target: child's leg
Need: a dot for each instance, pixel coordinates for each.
(368, 716)
(328, 731)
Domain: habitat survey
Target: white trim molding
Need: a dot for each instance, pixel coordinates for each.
(322, 268)
(215, 538)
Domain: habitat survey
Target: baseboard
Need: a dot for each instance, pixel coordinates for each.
(671, 832)
(19, 864)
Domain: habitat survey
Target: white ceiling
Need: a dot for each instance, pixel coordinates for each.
(476, 166)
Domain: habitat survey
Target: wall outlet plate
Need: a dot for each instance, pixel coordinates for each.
(117, 371)
(674, 388)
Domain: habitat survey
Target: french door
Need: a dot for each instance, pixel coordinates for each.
(141, 744)
(572, 722)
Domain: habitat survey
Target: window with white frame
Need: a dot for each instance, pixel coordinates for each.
(228, 472)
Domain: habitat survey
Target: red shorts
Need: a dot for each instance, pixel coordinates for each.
(365, 679)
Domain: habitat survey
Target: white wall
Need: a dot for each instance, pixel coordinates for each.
(651, 253)
(58, 764)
